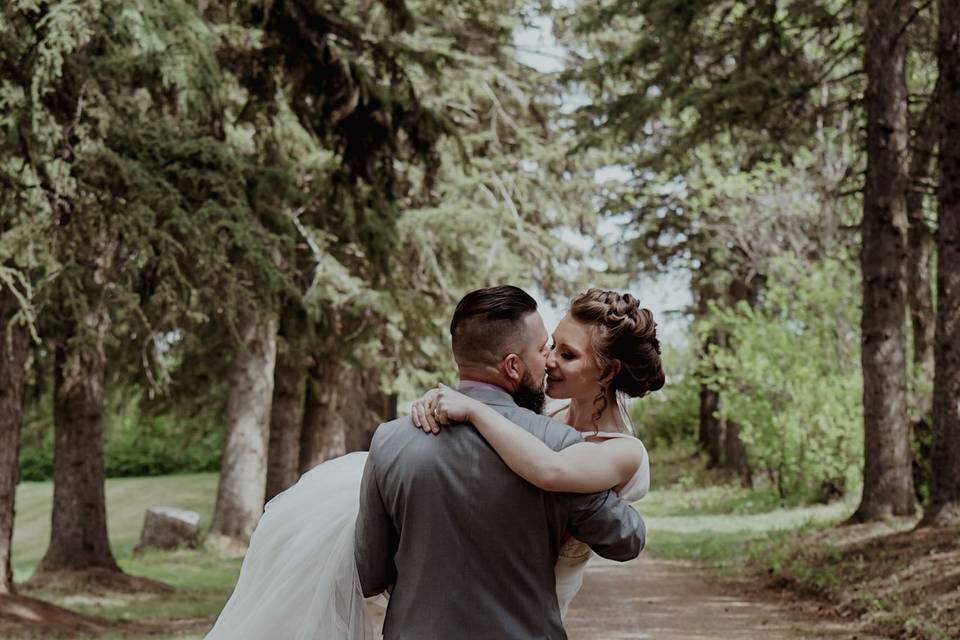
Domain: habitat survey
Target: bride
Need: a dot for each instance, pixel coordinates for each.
(298, 579)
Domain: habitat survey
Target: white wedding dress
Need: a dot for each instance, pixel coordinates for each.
(574, 555)
(299, 581)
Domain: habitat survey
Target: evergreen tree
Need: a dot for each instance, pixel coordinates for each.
(887, 480)
(944, 506)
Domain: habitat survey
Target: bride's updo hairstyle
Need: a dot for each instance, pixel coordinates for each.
(620, 331)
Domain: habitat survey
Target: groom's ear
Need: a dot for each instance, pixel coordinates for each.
(512, 367)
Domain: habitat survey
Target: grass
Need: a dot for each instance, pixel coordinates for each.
(202, 580)
(696, 514)
(127, 500)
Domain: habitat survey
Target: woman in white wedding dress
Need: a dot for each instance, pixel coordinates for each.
(298, 579)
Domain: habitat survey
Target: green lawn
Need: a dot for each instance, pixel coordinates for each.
(695, 514)
(127, 500)
(203, 581)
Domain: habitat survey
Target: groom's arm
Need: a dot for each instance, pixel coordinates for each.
(375, 538)
(608, 524)
(602, 520)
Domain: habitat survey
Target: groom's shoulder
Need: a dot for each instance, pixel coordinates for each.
(554, 433)
(393, 430)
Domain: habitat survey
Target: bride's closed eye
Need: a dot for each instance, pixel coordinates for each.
(566, 355)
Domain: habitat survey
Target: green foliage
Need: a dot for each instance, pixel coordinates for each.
(135, 447)
(790, 377)
(670, 417)
(135, 443)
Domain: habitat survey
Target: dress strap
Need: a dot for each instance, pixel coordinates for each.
(611, 434)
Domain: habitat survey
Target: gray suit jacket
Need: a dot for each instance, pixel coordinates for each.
(469, 546)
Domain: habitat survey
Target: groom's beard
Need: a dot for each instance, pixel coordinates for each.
(529, 395)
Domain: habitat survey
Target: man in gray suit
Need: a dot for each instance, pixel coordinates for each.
(466, 547)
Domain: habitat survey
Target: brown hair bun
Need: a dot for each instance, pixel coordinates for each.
(621, 330)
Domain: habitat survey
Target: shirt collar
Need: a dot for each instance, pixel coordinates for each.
(486, 393)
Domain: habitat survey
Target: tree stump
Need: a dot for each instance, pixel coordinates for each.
(169, 528)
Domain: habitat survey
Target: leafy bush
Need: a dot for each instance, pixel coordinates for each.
(670, 416)
(134, 444)
(36, 463)
(791, 378)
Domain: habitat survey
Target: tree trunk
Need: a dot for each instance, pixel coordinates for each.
(919, 293)
(374, 407)
(324, 428)
(711, 433)
(920, 245)
(944, 507)
(14, 341)
(735, 454)
(286, 422)
(712, 427)
(887, 482)
(734, 457)
(78, 538)
(243, 469)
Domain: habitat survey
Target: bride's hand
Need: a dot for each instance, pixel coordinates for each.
(442, 406)
(422, 411)
(453, 406)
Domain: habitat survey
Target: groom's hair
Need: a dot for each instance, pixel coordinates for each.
(488, 324)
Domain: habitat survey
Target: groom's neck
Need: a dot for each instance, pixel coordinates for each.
(479, 376)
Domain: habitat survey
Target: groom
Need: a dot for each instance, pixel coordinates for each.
(467, 547)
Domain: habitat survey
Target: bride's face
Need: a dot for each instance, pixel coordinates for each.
(571, 364)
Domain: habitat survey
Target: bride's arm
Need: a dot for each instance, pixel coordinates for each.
(581, 468)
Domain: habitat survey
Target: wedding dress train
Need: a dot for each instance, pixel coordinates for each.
(299, 580)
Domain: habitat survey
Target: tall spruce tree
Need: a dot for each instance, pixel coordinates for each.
(944, 506)
(14, 339)
(138, 166)
(888, 480)
(26, 251)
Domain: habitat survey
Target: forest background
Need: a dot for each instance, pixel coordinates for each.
(233, 234)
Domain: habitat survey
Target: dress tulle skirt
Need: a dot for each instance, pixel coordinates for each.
(299, 580)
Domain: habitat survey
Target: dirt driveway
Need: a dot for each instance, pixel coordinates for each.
(667, 600)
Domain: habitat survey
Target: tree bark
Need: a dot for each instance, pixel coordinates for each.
(286, 422)
(735, 454)
(887, 482)
(374, 407)
(734, 457)
(78, 538)
(944, 507)
(713, 428)
(711, 433)
(14, 342)
(920, 245)
(324, 428)
(919, 292)
(243, 468)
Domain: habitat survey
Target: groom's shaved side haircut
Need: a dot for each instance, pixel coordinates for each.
(489, 323)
